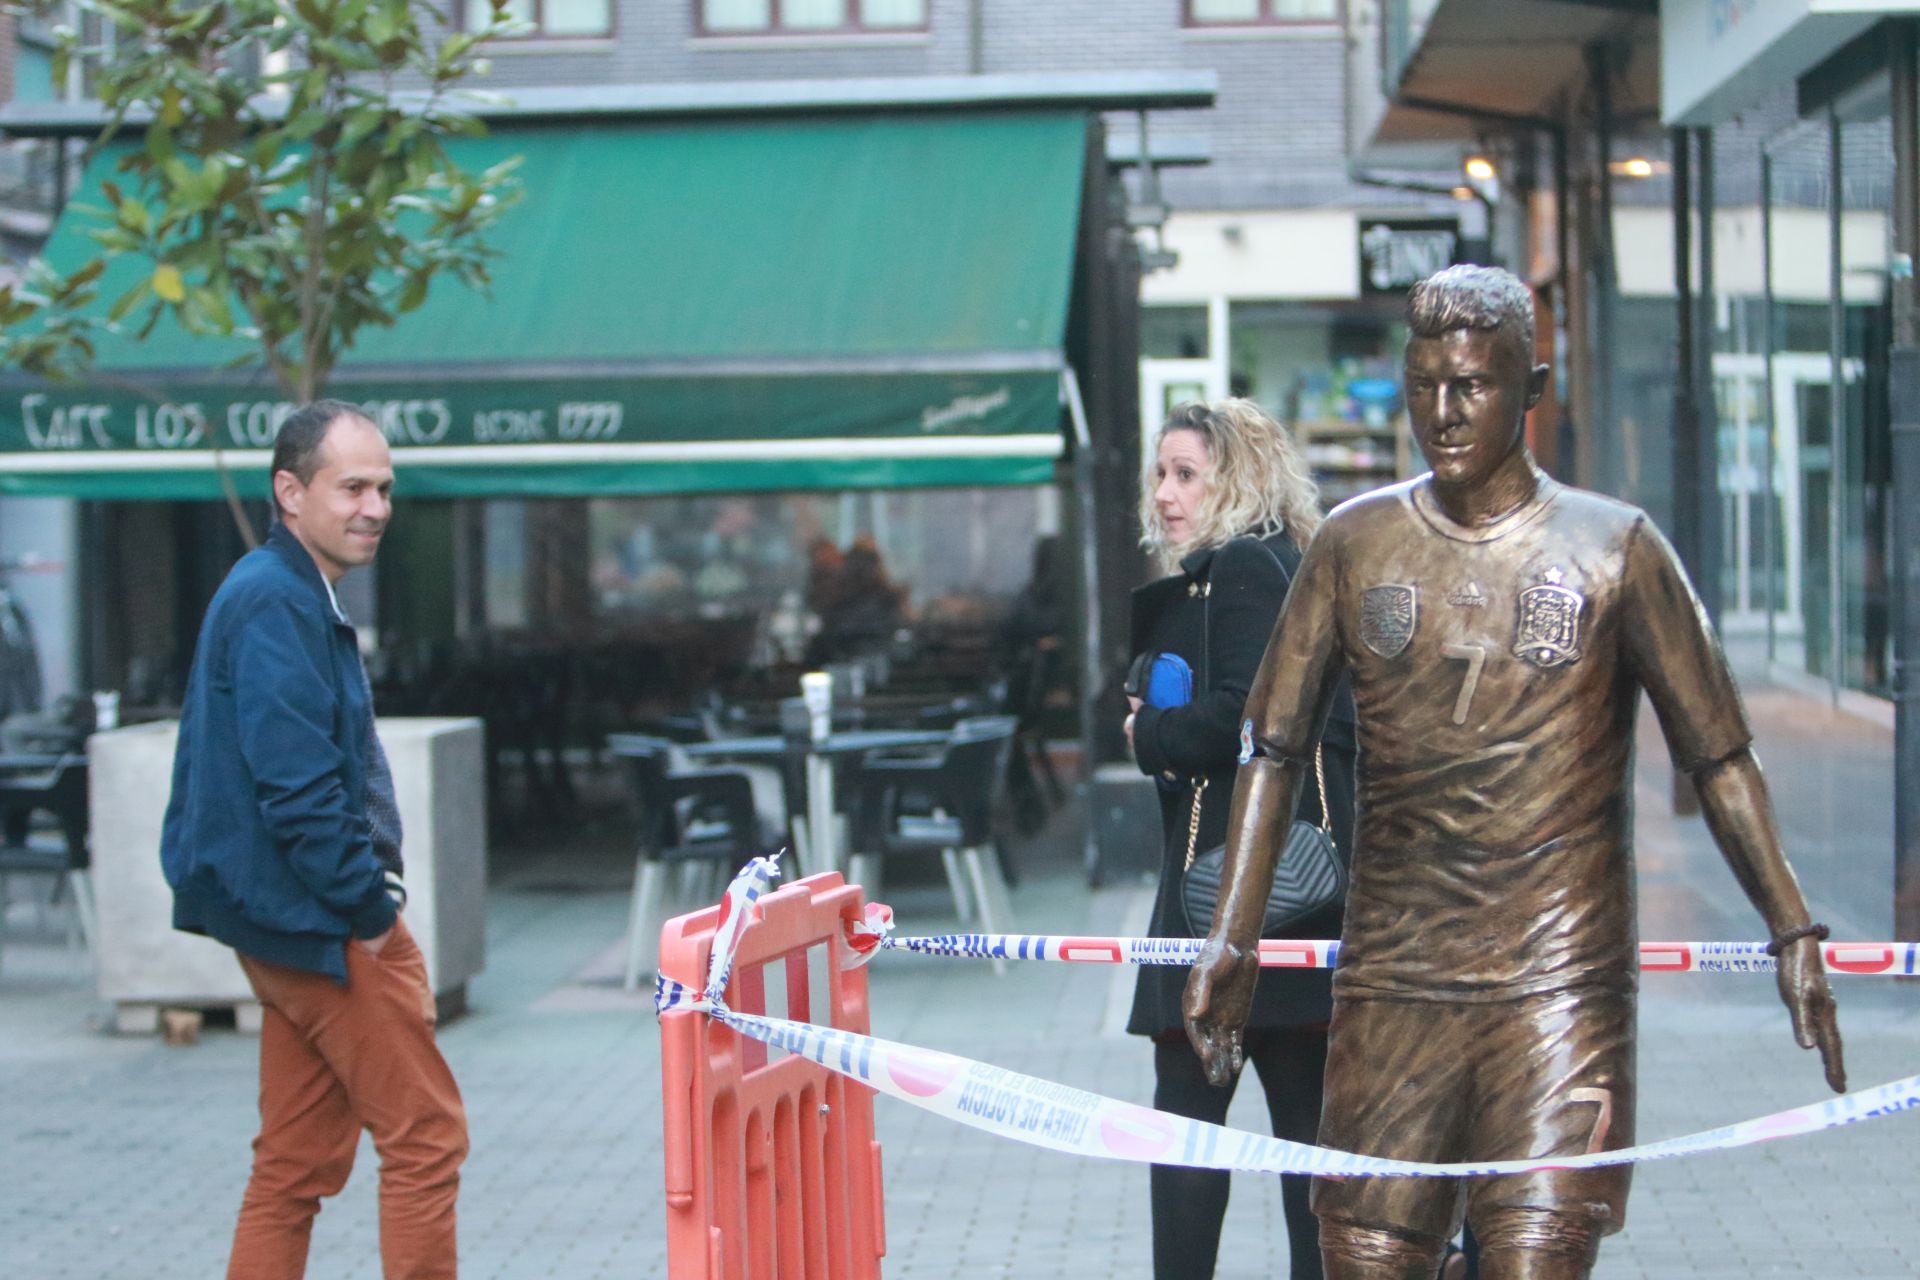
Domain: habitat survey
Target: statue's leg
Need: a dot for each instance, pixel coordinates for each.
(1556, 1079)
(1350, 1251)
(1536, 1244)
(1397, 1085)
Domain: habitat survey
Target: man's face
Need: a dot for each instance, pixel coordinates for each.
(341, 514)
(1468, 392)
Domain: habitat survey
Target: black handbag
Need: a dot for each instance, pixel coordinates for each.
(1309, 875)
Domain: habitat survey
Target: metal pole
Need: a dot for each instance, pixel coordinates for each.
(1085, 477)
(1606, 274)
(1685, 515)
(1836, 415)
(1904, 395)
(1767, 532)
(1706, 437)
(1564, 468)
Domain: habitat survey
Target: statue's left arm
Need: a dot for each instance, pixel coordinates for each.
(1677, 659)
(1284, 710)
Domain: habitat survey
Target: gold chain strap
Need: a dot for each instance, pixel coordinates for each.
(1193, 821)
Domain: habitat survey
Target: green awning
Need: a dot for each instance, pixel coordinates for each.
(832, 302)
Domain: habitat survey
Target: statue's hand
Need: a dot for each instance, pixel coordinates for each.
(1219, 996)
(1803, 988)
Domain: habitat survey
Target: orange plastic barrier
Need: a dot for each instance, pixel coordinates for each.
(772, 1169)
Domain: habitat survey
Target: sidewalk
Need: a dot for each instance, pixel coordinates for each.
(124, 1158)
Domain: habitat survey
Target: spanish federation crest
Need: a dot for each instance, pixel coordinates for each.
(1547, 629)
(1386, 618)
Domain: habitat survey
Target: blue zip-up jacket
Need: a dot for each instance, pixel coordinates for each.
(266, 841)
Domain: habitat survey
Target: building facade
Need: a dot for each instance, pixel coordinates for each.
(1250, 205)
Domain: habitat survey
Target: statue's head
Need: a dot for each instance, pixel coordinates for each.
(1470, 376)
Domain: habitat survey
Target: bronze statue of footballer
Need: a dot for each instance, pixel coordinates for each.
(1498, 628)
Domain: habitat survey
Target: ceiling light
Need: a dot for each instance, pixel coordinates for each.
(1479, 168)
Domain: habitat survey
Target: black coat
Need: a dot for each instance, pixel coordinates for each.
(1245, 587)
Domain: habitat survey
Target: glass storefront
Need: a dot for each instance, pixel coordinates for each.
(1332, 375)
(1805, 473)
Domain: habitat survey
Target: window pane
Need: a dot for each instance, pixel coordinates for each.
(1225, 10)
(518, 10)
(1173, 333)
(579, 17)
(812, 15)
(737, 15)
(893, 13)
(1307, 10)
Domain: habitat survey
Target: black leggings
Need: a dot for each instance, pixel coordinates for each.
(1188, 1204)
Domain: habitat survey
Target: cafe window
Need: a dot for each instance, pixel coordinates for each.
(809, 17)
(1173, 333)
(555, 19)
(1247, 13)
(951, 554)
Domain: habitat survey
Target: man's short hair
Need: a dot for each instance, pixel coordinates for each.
(1469, 297)
(297, 447)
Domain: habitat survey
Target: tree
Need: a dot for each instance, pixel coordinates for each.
(290, 182)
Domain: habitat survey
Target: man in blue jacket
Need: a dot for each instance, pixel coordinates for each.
(282, 840)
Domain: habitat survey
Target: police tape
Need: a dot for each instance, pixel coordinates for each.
(874, 934)
(1062, 1118)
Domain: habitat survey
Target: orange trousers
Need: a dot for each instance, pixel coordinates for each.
(335, 1060)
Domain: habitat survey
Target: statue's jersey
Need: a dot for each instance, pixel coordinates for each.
(1496, 671)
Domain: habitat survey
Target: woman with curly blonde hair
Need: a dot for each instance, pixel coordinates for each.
(1226, 506)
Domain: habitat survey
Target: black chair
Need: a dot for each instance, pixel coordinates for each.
(945, 803)
(691, 817)
(59, 849)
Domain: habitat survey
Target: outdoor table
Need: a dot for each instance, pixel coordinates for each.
(819, 825)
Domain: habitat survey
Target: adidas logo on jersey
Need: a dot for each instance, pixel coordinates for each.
(1467, 597)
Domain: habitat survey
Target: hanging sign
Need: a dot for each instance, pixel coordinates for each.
(1396, 253)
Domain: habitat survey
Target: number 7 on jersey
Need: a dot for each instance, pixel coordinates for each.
(1475, 656)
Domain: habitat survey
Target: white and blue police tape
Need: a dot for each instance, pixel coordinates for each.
(1896, 959)
(1059, 1117)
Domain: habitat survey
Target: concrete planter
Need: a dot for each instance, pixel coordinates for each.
(439, 774)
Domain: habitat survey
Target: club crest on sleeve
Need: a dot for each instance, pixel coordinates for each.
(1547, 628)
(1386, 618)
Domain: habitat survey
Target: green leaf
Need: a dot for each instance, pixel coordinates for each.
(135, 217)
(124, 305)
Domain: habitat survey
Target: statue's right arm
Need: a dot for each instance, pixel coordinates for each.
(1288, 703)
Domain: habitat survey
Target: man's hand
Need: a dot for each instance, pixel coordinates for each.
(375, 944)
(1219, 997)
(1133, 709)
(1809, 1001)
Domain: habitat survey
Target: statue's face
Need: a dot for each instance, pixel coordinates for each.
(1468, 392)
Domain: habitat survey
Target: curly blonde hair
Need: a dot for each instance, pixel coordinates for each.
(1259, 485)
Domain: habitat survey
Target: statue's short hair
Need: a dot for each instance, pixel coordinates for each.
(1470, 297)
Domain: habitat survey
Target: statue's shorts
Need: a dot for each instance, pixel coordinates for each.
(1444, 1082)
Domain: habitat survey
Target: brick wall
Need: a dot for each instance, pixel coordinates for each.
(1277, 132)
(7, 47)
